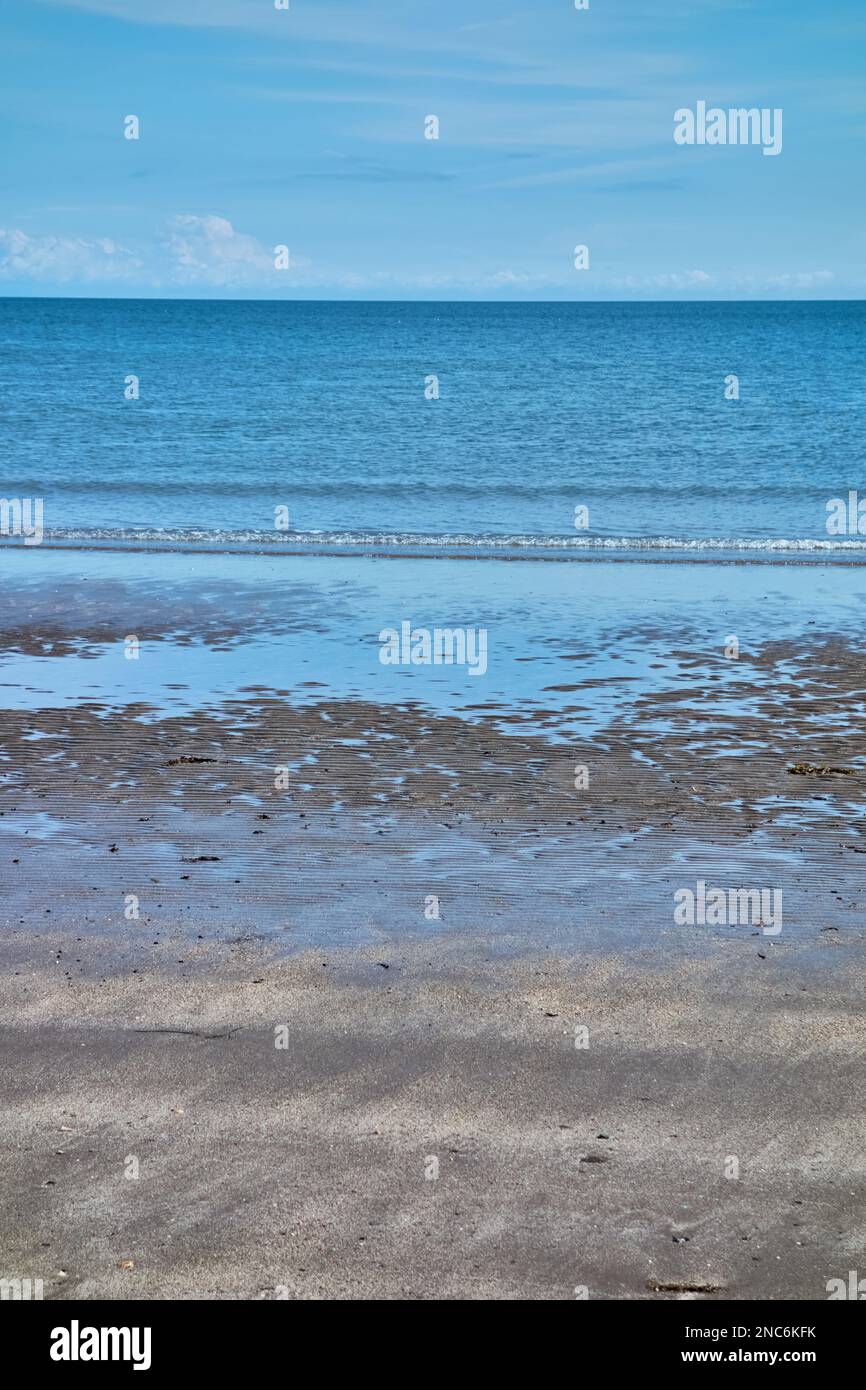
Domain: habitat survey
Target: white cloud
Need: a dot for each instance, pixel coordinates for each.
(194, 13)
(795, 280)
(802, 280)
(208, 253)
(208, 250)
(190, 250)
(726, 283)
(674, 280)
(61, 259)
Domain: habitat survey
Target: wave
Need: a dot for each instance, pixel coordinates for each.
(293, 542)
(587, 488)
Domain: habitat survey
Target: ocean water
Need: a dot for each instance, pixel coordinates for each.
(571, 647)
(323, 409)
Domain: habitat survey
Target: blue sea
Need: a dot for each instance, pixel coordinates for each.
(330, 411)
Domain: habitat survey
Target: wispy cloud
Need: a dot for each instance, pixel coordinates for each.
(797, 280)
(200, 252)
(672, 280)
(190, 250)
(614, 175)
(726, 282)
(59, 260)
(193, 251)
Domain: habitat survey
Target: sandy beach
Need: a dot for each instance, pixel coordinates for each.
(305, 1171)
(415, 1019)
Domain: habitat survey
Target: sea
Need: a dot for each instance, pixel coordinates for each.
(547, 430)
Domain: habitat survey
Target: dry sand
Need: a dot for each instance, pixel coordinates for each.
(302, 1168)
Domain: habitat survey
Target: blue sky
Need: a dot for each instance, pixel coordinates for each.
(305, 128)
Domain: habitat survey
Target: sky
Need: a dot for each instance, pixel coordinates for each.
(305, 128)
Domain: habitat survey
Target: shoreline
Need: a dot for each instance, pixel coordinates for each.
(782, 552)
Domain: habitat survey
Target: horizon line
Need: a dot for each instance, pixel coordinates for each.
(264, 299)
